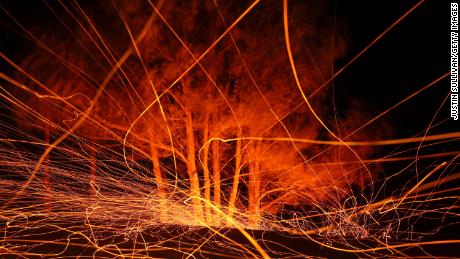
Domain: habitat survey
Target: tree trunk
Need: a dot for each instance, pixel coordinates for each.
(216, 172)
(206, 173)
(158, 178)
(254, 188)
(156, 167)
(191, 167)
(236, 176)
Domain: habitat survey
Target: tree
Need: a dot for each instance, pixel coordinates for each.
(221, 124)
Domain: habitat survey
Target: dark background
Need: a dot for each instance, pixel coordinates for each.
(411, 55)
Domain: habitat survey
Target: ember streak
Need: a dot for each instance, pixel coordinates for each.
(155, 128)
